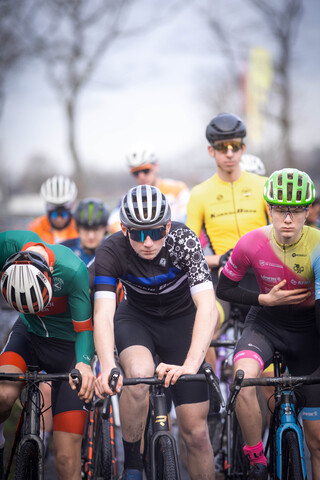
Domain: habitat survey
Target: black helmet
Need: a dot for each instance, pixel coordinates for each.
(144, 206)
(91, 212)
(225, 126)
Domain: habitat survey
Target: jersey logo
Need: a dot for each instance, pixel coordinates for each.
(246, 192)
(299, 255)
(219, 197)
(163, 262)
(298, 268)
(57, 284)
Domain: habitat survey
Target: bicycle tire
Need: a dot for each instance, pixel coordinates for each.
(165, 460)
(27, 466)
(147, 447)
(104, 451)
(291, 464)
(239, 463)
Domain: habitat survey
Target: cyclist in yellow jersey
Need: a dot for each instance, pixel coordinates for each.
(144, 167)
(230, 203)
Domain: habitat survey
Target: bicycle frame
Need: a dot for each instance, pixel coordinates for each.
(160, 426)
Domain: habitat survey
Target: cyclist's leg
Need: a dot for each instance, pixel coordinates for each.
(192, 422)
(67, 453)
(312, 433)
(14, 358)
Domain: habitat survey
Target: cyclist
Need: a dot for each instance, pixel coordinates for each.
(144, 167)
(230, 203)
(91, 216)
(49, 286)
(285, 257)
(252, 163)
(59, 194)
(168, 309)
(313, 219)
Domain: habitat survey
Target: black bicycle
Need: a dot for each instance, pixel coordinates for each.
(160, 450)
(284, 449)
(98, 455)
(28, 443)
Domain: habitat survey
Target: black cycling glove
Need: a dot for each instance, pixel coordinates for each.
(224, 258)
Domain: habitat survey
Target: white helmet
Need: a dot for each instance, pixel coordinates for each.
(139, 156)
(26, 282)
(252, 164)
(144, 207)
(59, 190)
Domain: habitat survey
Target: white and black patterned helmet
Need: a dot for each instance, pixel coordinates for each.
(26, 282)
(144, 206)
(59, 191)
(252, 164)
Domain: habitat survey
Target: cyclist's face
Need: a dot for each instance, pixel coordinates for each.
(147, 175)
(227, 154)
(287, 222)
(148, 249)
(91, 237)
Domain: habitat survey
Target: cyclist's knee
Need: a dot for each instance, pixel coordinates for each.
(7, 399)
(196, 437)
(137, 393)
(66, 465)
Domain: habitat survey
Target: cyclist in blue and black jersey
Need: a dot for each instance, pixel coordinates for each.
(91, 216)
(168, 309)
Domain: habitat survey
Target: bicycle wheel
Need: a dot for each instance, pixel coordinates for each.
(291, 462)
(167, 468)
(104, 450)
(239, 463)
(27, 467)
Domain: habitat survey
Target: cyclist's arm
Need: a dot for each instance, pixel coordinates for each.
(104, 309)
(230, 291)
(204, 326)
(195, 214)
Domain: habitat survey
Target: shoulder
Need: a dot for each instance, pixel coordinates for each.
(170, 186)
(253, 179)
(41, 221)
(255, 238)
(71, 243)
(204, 186)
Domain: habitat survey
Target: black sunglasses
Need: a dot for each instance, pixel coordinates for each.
(140, 235)
(145, 171)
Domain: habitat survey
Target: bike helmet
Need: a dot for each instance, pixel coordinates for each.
(26, 282)
(252, 164)
(141, 156)
(225, 126)
(289, 186)
(144, 207)
(59, 191)
(91, 212)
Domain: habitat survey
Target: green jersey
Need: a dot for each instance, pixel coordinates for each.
(68, 315)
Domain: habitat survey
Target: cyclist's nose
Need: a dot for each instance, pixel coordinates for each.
(148, 242)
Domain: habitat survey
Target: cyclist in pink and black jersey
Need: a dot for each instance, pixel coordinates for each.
(285, 258)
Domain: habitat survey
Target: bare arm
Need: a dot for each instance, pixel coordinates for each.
(104, 309)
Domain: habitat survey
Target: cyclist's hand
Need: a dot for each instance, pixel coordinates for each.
(102, 385)
(224, 258)
(173, 372)
(87, 385)
(277, 296)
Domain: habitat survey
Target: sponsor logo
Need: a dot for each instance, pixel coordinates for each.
(271, 279)
(162, 262)
(219, 197)
(161, 419)
(58, 284)
(269, 264)
(299, 255)
(298, 268)
(246, 192)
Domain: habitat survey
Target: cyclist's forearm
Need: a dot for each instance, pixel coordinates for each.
(104, 334)
(204, 325)
(84, 347)
(213, 260)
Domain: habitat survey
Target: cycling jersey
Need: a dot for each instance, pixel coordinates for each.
(298, 263)
(75, 245)
(177, 194)
(42, 227)
(68, 315)
(162, 286)
(227, 210)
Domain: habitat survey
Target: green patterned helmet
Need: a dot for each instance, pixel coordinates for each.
(289, 186)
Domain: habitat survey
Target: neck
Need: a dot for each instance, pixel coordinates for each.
(229, 176)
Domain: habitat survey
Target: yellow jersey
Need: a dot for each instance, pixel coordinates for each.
(227, 210)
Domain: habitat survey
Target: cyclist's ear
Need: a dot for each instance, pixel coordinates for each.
(168, 226)
(124, 229)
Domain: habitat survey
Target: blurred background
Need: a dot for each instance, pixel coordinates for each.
(81, 82)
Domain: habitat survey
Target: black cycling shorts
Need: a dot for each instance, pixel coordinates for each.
(262, 336)
(169, 338)
(52, 355)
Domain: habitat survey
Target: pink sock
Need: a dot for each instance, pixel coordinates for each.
(255, 454)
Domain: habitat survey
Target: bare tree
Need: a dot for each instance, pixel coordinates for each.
(71, 37)
(283, 19)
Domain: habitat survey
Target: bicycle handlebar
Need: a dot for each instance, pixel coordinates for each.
(286, 381)
(36, 377)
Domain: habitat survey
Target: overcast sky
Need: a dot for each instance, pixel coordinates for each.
(150, 89)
